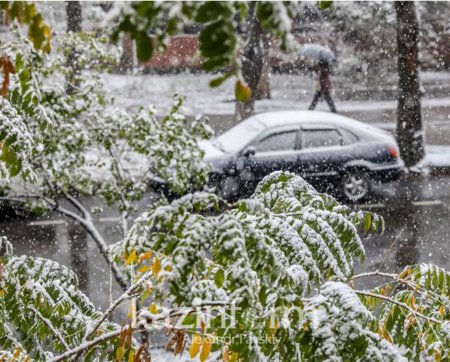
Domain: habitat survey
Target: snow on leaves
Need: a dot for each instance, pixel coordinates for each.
(246, 277)
(16, 144)
(336, 327)
(264, 253)
(418, 320)
(79, 142)
(42, 311)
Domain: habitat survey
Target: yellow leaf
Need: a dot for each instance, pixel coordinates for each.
(410, 321)
(47, 31)
(156, 267)
(226, 354)
(195, 346)
(120, 353)
(385, 334)
(132, 310)
(143, 269)
(404, 273)
(438, 356)
(411, 300)
(277, 323)
(145, 256)
(203, 325)
(234, 357)
(442, 311)
(17, 352)
(242, 91)
(131, 258)
(153, 308)
(131, 356)
(206, 349)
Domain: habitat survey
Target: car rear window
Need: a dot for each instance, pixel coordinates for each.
(348, 136)
(282, 141)
(321, 138)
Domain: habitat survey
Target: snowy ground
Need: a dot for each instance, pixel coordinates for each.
(437, 156)
(288, 92)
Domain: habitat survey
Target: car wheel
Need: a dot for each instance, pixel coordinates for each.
(228, 188)
(355, 185)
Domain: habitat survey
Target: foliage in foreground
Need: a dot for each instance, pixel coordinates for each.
(56, 144)
(267, 278)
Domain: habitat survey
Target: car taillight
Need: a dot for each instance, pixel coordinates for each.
(392, 151)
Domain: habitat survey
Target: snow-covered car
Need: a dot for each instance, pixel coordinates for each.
(334, 153)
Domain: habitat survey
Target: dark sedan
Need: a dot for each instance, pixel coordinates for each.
(334, 153)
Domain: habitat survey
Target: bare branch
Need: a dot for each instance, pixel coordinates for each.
(376, 273)
(126, 295)
(85, 221)
(400, 304)
(395, 277)
(85, 346)
(76, 204)
(90, 228)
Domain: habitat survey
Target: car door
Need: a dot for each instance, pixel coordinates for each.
(273, 151)
(323, 153)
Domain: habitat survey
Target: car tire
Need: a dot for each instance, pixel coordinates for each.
(228, 188)
(355, 185)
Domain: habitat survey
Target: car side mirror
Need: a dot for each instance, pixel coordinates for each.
(249, 151)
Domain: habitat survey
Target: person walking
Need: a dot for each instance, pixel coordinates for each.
(323, 87)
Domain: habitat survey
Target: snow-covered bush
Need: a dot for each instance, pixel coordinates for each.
(267, 278)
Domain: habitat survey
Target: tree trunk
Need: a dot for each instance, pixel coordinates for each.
(409, 120)
(79, 253)
(127, 56)
(74, 17)
(252, 58)
(263, 89)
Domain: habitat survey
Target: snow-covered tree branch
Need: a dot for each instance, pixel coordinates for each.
(79, 144)
(268, 277)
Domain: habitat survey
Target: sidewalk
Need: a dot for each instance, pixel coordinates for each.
(437, 159)
(288, 92)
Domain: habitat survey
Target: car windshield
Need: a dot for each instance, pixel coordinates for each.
(240, 135)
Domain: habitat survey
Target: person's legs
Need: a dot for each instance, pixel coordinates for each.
(317, 95)
(329, 100)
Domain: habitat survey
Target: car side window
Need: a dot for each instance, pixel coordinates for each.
(321, 138)
(282, 141)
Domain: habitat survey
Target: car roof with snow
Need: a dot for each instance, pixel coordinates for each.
(317, 118)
